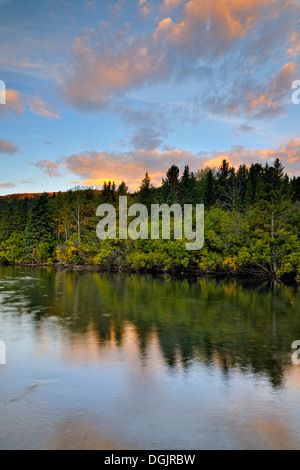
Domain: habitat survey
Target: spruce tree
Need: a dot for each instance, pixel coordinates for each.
(122, 189)
(38, 229)
(254, 177)
(209, 192)
(170, 189)
(187, 187)
(109, 194)
(242, 180)
(146, 194)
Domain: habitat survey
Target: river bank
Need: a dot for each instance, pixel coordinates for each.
(259, 275)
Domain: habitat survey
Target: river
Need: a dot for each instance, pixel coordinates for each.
(131, 361)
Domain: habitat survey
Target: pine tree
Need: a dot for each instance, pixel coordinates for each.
(224, 172)
(254, 176)
(187, 187)
(295, 186)
(109, 195)
(242, 180)
(170, 188)
(122, 189)
(274, 199)
(209, 193)
(38, 229)
(146, 194)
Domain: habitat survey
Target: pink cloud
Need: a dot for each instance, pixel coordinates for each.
(96, 76)
(225, 35)
(42, 109)
(144, 8)
(13, 104)
(273, 97)
(7, 147)
(221, 21)
(93, 168)
(49, 168)
(163, 27)
(169, 5)
(294, 45)
(287, 152)
(9, 184)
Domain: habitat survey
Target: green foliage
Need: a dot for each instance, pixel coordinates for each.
(147, 193)
(38, 228)
(187, 188)
(44, 251)
(170, 193)
(12, 249)
(252, 224)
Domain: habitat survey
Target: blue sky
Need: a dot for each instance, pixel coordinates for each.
(100, 90)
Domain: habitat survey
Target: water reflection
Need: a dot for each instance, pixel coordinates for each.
(230, 324)
(128, 361)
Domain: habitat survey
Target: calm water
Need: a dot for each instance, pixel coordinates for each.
(102, 361)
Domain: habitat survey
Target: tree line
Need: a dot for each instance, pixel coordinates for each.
(252, 224)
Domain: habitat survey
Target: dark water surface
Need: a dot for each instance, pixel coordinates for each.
(118, 361)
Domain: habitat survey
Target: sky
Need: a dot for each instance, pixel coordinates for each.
(107, 90)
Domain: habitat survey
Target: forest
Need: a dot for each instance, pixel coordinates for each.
(252, 225)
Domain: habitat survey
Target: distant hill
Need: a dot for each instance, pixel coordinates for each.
(16, 197)
(25, 195)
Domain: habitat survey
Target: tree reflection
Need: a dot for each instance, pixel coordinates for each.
(229, 323)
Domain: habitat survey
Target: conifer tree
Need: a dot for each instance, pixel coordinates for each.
(122, 189)
(187, 187)
(146, 194)
(38, 229)
(170, 188)
(254, 176)
(209, 191)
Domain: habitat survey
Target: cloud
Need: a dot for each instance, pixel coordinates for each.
(150, 126)
(294, 47)
(215, 25)
(244, 129)
(287, 152)
(7, 185)
(14, 104)
(42, 109)
(96, 167)
(8, 148)
(146, 138)
(163, 27)
(115, 9)
(144, 8)
(250, 97)
(49, 168)
(29, 181)
(220, 51)
(96, 76)
(93, 168)
(25, 54)
(25, 63)
(270, 101)
(169, 5)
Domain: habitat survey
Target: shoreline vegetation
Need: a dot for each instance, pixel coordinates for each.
(168, 274)
(252, 226)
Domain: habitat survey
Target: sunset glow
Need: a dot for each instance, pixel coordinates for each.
(100, 91)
